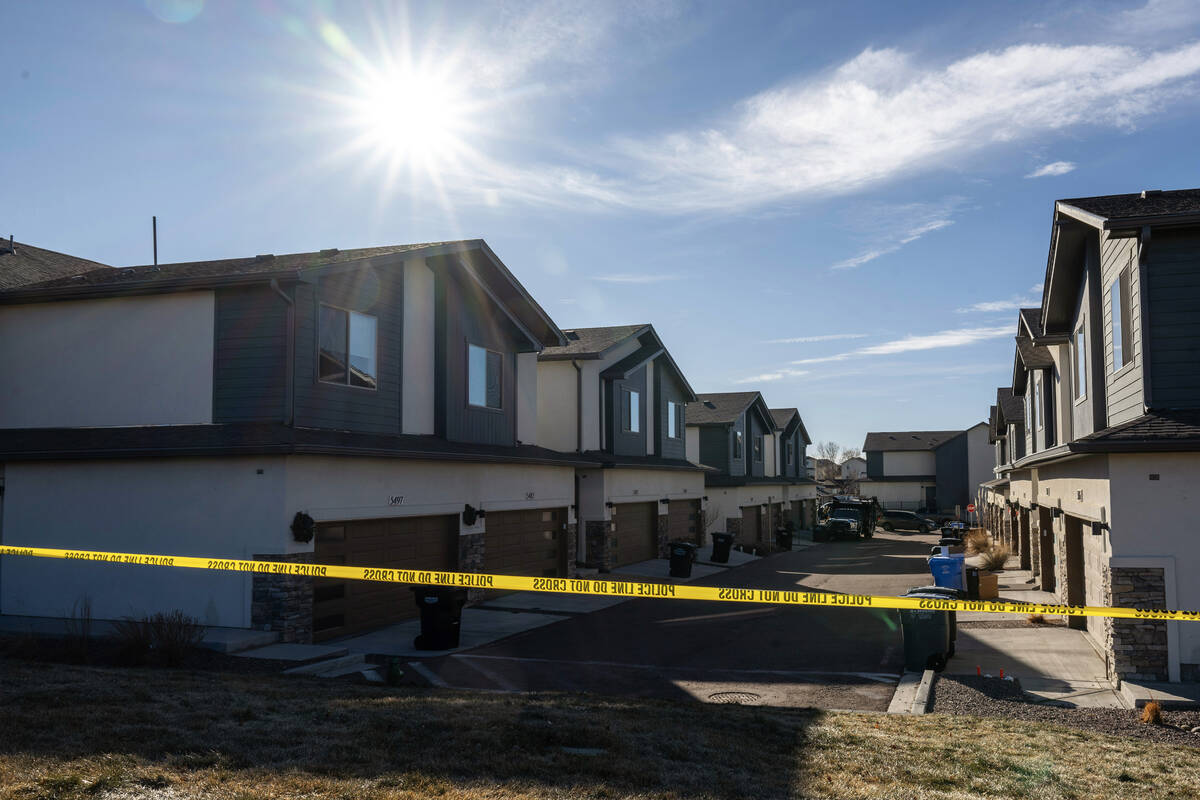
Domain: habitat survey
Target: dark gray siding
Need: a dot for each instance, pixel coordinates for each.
(756, 429)
(714, 447)
(666, 389)
(1123, 389)
(250, 356)
(1173, 287)
(874, 464)
(789, 467)
(951, 476)
(622, 442)
(325, 405)
(466, 315)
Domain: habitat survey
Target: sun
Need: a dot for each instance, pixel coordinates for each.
(412, 116)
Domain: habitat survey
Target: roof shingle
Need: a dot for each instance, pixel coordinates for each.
(907, 440)
(589, 342)
(1155, 203)
(719, 409)
(28, 265)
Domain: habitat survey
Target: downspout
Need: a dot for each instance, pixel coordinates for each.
(578, 406)
(289, 394)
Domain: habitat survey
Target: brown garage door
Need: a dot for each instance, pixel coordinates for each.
(751, 517)
(683, 521)
(344, 607)
(525, 543)
(637, 532)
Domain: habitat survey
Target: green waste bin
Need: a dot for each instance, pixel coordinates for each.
(926, 635)
(441, 616)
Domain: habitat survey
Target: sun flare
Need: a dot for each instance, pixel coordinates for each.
(413, 116)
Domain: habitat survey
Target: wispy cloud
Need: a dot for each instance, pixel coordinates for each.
(828, 337)
(957, 337)
(1052, 169)
(874, 118)
(1011, 304)
(1157, 16)
(909, 236)
(635, 277)
(768, 377)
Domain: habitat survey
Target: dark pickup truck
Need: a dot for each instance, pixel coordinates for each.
(846, 517)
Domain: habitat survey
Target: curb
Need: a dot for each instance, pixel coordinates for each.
(912, 693)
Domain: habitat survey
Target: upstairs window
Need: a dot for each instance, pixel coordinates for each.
(1038, 414)
(758, 448)
(485, 369)
(791, 452)
(1122, 343)
(674, 418)
(737, 444)
(346, 354)
(1080, 362)
(631, 417)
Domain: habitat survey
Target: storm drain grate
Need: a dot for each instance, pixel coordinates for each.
(740, 698)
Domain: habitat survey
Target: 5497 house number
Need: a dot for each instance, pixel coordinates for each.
(396, 500)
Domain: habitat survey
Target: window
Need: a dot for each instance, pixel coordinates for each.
(737, 444)
(1119, 308)
(484, 375)
(346, 353)
(673, 419)
(1028, 406)
(1080, 362)
(1037, 400)
(790, 452)
(631, 418)
(758, 448)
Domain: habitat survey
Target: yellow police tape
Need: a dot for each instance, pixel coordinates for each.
(602, 588)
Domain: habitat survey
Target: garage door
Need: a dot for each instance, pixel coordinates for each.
(525, 543)
(344, 607)
(750, 524)
(683, 521)
(798, 513)
(637, 532)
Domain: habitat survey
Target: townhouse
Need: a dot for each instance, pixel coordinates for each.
(758, 482)
(375, 407)
(1101, 461)
(615, 398)
(933, 471)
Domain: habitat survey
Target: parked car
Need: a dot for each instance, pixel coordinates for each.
(896, 520)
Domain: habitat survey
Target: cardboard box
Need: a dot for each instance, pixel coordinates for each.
(989, 586)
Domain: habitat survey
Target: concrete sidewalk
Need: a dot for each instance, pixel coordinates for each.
(1053, 662)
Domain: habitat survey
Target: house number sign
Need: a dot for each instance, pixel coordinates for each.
(396, 500)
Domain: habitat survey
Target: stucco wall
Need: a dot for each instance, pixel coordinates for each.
(200, 507)
(527, 398)
(1081, 485)
(557, 405)
(417, 371)
(120, 361)
(692, 444)
(911, 493)
(904, 462)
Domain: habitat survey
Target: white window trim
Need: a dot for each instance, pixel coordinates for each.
(634, 419)
(1080, 391)
(1125, 332)
(673, 430)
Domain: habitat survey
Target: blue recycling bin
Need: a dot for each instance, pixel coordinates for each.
(949, 571)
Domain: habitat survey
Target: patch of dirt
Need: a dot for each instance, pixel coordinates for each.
(970, 695)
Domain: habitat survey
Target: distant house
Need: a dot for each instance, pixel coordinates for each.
(751, 490)
(937, 471)
(616, 397)
(854, 469)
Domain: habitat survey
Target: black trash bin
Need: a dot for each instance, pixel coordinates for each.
(783, 539)
(927, 643)
(721, 544)
(441, 616)
(950, 594)
(972, 583)
(682, 555)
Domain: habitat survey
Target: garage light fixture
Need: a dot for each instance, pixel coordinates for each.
(303, 527)
(609, 504)
(665, 500)
(1056, 513)
(471, 514)
(1098, 528)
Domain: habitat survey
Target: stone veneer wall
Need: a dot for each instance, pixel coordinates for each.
(733, 525)
(1035, 545)
(470, 559)
(571, 531)
(601, 544)
(1137, 647)
(664, 527)
(283, 603)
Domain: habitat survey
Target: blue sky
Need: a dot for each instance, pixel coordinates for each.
(839, 206)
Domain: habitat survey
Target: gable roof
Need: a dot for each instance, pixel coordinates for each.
(783, 417)
(1029, 322)
(472, 256)
(590, 343)
(993, 424)
(1011, 408)
(889, 441)
(1140, 207)
(721, 408)
(26, 265)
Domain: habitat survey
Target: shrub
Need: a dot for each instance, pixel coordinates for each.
(1036, 619)
(1152, 713)
(135, 637)
(79, 628)
(174, 635)
(995, 557)
(976, 541)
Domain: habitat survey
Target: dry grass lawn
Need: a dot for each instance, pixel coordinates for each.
(87, 732)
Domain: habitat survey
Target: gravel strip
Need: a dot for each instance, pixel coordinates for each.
(970, 695)
(1009, 623)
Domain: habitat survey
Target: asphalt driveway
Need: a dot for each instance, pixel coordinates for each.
(773, 655)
